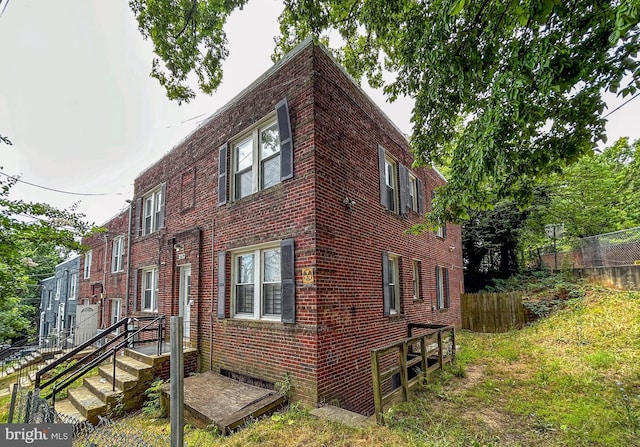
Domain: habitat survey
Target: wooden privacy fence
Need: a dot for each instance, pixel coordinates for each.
(411, 360)
(492, 312)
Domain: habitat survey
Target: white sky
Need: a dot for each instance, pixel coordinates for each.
(84, 116)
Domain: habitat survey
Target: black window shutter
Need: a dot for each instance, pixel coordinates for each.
(135, 290)
(383, 183)
(138, 222)
(222, 282)
(163, 200)
(288, 278)
(446, 287)
(444, 230)
(403, 178)
(286, 141)
(420, 198)
(438, 289)
(386, 299)
(222, 175)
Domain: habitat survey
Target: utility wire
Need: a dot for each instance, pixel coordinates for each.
(4, 7)
(60, 191)
(623, 104)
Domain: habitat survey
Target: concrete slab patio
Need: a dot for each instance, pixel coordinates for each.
(210, 398)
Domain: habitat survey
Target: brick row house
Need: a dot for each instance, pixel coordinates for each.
(278, 230)
(58, 299)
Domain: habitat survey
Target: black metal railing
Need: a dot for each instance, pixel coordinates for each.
(112, 340)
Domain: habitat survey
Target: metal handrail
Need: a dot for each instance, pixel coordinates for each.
(90, 360)
(77, 349)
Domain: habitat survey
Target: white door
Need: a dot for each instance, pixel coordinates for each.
(185, 299)
(116, 312)
(86, 322)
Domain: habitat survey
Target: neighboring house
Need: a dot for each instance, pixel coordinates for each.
(58, 299)
(104, 276)
(278, 230)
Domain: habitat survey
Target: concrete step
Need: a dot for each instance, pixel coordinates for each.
(133, 366)
(69, 412)
(88, 404)
(102, 388)
(130, 353)
(124, 380)
(343, 416)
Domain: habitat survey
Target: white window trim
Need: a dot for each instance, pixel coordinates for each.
(73, 286)
(390, 162)
(117, 254)
(58, 288)
(413, 192)
(394, 272)
(417, 283)
(257, 251)
(154, 289)
(256, 165)
(87, 264)
(441, 288)
(153, 213)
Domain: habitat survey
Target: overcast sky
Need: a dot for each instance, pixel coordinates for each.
(84, 116)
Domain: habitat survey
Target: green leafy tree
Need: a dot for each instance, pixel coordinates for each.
(509, 91)
(33, 238)
(598, 194)
(491, 244)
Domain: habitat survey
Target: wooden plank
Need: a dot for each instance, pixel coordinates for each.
(377, 386)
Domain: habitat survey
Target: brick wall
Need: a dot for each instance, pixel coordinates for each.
(339, 314)
(103, 284)
(350, 241)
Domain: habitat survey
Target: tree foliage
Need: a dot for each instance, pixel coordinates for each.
(598, 194)
(509, 91)
(188, 38)
(34, 237)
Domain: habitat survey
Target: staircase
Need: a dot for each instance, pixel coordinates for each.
(134, 372)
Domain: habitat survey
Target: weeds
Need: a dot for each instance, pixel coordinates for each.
(153, 406)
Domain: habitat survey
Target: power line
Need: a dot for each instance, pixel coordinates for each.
(4, 7)
(17, 179)
(623, 104)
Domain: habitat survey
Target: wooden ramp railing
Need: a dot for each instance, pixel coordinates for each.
(411, 359)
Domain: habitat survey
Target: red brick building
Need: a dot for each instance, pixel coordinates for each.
(278, 229)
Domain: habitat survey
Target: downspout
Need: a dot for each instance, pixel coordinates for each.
(104, 280)
(128, 274)
(213, 259)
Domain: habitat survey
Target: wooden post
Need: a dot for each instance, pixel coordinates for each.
(423, 354)
(377, 386)
(404, 377)
(177, 382)
(440, 360)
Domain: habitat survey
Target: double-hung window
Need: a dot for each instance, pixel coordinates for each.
(413, 193)
(391, 183)
(257, 160)
(417, 268)
(117, 254)
(153, 211)
(73, 286)
(257, 283)
(442, 287)
(390, 283)
(87, 265)
(150, 289)
(400, 189)
(58, 287)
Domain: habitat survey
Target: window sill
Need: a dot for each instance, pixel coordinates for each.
(396, 317)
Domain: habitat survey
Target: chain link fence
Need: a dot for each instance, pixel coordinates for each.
(29, 408)
(620, 248)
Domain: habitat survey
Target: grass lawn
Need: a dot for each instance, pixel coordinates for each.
(571, 379)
